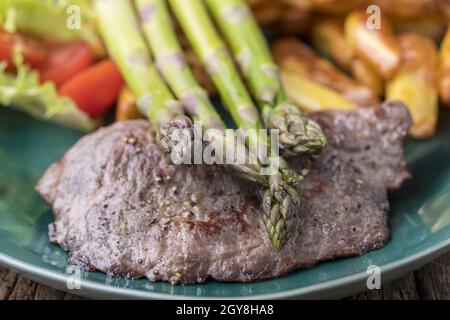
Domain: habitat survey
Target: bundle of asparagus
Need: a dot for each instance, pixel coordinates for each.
(128, 48)
(129, 51)
(297, 133)
(280, 197)
(172, 64)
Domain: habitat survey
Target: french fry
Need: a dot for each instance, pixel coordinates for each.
(296, 57)
(432, 26)
(415, 83)
(377, 47)
(310, 95)
(444, 69)
(365, 75)
(126, 106)
(329, 39)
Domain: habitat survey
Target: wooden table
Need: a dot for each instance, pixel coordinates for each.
(429, 282)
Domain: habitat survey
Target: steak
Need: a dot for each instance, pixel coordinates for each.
(121, 208)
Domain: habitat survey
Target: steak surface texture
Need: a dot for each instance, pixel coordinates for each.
(121, 208)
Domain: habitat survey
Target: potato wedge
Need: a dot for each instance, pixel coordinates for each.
(328, 37)
(444, 69)
(294, 56)
(126, 106)
(444, 7)
(432, 26)
(310, 95)
(415, 83)
(377, 47)
(365, 75)
(407, 8)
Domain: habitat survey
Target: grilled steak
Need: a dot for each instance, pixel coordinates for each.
(121, 208)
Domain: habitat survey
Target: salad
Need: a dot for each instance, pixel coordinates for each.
(60, 74)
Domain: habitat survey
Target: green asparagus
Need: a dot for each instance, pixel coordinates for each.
(120, 30)
(298, 134)
(172, 65)
(280, 200)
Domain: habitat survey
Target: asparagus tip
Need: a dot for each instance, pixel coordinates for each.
(176, 137)
(280, 204)
(298, 134)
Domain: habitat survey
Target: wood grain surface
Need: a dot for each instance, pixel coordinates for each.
(432, 282)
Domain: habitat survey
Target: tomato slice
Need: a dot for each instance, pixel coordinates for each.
(96, 88)
(35, 53)
(6, 49)
(65, 61)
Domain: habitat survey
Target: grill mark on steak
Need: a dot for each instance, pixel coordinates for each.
(121, 208)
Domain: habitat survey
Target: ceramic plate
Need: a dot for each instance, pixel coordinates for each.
(419, 220)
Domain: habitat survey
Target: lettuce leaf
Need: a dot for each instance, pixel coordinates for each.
(49, 19)
(23, 91)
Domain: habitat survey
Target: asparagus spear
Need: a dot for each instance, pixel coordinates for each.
(280, 196)
(120, 30)
(297, 133)
(172, 64)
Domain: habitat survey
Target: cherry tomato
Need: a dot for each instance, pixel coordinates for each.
(65, 61)
(35, 53)
(95, 89)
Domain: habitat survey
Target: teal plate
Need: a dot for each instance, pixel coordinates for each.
(419, 220)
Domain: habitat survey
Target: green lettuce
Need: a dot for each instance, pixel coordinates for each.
(50, 19)
(23, 91)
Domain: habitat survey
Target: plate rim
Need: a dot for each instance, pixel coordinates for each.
(93, 289)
